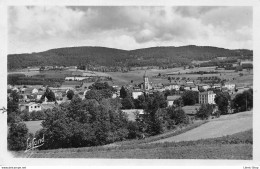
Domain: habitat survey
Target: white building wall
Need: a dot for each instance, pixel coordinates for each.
(34, 107)
(136, 94)
(170, 103)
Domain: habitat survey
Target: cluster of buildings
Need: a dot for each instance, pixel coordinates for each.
(30, 96)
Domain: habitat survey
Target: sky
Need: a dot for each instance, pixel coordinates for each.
(40, 28)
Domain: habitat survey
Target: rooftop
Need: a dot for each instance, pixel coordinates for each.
(171, 98)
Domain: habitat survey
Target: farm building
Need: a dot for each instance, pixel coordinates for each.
(171, 99)
(75, 78)
(137, 93)
(132, 113)
(171, 86)
(31, 107)
(230, 86)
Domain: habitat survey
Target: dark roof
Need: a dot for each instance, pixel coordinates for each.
(171, 98)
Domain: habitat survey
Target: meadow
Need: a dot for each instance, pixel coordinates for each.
(123, 78)
(236, 146)
(33, 126)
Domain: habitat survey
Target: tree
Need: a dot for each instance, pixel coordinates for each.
(243, 101)
(25, 115)
(70, 94)
(93, 94)
(177, 116)
(123, 92)
(140, 102)
(222, 100)
(204, 111)
(170, 80)
(17, 136)
(190, 97)
(12, 102)
(127, 103)
(49, 95)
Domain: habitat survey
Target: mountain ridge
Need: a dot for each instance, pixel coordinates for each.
(105, 56)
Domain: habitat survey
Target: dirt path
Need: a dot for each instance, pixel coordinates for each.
(225, 125)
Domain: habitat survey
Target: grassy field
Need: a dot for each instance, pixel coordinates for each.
(33, 126)
(120, 78)
(225, 125)
(236, 146)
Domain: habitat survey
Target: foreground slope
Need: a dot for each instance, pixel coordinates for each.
(225, 125)
(238, 145)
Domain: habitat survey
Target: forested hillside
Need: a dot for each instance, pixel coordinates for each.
(102, 56)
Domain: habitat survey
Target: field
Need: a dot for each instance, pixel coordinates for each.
(33, 126)
(225, 125)
(120, 78)
(236, 146)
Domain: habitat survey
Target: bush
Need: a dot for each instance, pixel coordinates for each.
(17, 136)
(204, 111)
(37, 115)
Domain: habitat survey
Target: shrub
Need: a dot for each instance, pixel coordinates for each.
(204, 111)
(17, 136)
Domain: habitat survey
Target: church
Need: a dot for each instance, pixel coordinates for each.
(146, 84)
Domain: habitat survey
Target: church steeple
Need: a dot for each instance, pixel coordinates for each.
(146, 82)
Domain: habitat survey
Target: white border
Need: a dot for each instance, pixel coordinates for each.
(5, 159)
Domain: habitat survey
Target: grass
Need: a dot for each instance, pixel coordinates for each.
(236, 146)
(168, 134)
(120, 78)
(33, 126)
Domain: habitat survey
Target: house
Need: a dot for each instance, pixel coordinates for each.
(33, 107)
(114, 95)
(30, 91)
(171, 86)
(207, 97)
(133, 113)
(203, 86)
(171, 99)
(221, 58)
(216, 86)
(194, 88)
(38, 96)
(230, 86)
(136, 93)
(75, 78)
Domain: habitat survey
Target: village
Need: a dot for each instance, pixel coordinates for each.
(31, 96)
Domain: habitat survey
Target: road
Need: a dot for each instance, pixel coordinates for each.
(225, 125)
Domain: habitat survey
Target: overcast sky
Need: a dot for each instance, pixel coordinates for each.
(34, 29)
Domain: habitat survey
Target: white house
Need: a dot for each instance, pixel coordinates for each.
(172, 86)
(31, 91)
(75, 78)
(171, 99)
(230, 86)
(204, 86)
(33, 107)
(136, 94)
(207, 97)
(132, 113)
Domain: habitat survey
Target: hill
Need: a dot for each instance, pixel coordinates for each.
(102, 56)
